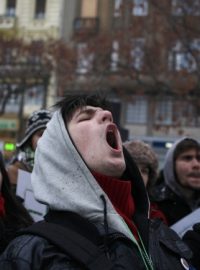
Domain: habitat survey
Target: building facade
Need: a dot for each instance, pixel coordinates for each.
(30, 21)
(145, 54)
(153, 60)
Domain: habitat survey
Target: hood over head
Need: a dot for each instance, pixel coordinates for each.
(62, 180)
(169, 168)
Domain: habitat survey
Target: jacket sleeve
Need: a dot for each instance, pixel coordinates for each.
(29, 252)
(13, 264)
(16, 255)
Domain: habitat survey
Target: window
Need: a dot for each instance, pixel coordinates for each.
(35, 95)
(184, 60)
(84, 59)
(188, 114)
(167, 114)
(185, 57)
(89, 8)
(12, 105)
(10, 8)
(140, 7)
(186, 7)
(163, 113)
(136, 111)
(115, 56)
(40, 6)
(117, 8)
(137, 53)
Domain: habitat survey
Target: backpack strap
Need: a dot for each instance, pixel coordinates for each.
(72, 243)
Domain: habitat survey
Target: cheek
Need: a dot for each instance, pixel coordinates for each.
(34, 141)
(181, 171)
(81, 142)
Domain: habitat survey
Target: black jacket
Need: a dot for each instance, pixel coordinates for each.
(167, 200)
(32, 252)
(162, 244)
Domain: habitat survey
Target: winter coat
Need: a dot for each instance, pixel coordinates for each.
(122, 250)
(33, 252)
(166, 199)
(168, 193)
(62, 180)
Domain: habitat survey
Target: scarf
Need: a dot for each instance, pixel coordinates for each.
(2, 206)
(119, 193)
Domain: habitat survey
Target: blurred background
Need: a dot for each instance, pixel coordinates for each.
(145, 54)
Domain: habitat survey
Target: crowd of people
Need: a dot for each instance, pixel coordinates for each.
(109, 199)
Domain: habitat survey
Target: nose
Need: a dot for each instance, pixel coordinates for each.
(105, 116)
(196, 162)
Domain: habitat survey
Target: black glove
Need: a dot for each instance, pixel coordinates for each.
(192, 239)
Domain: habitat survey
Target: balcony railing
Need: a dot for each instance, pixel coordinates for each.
(86, 25)
(7, 22)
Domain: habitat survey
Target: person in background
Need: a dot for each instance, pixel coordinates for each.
(147, 162)
(178, 186)
(24, 159)
(86, 177)
(146, 159)
(13, 216)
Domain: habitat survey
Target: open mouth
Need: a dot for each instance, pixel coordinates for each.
(111, 138)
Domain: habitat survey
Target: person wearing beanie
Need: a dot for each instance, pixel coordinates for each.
(24, 159)
(13, 215)
(147, 162)
(93, 187)
(146, 159)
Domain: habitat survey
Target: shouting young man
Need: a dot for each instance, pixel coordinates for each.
(93, 188)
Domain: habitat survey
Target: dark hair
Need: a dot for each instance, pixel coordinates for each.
(16, 215)
(71, 102)
(185, 145)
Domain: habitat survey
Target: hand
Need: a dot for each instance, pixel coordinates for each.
(192, 239)
(196, 227)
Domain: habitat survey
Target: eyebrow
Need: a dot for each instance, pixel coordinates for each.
(88, 111)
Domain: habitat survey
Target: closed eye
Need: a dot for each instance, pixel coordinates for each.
(85, 115)
(81, 119)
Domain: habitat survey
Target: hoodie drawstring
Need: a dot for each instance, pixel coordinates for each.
(105, 238)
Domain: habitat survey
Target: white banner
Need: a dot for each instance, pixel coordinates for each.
(186, 223)
(25, 191)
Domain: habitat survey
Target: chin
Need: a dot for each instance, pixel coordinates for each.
(196, 187)
(118, 170)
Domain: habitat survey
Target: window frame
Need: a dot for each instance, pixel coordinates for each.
(137, 110)
(40, 9)
(11, 8)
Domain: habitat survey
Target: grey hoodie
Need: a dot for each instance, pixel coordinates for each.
(168, 170)
(62, 180)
